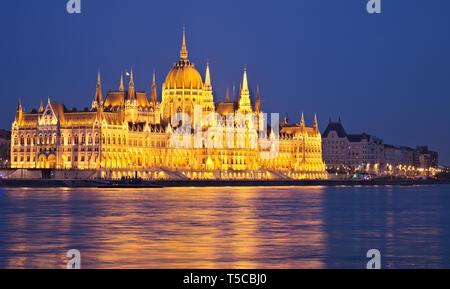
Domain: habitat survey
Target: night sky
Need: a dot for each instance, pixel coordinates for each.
(388, 74)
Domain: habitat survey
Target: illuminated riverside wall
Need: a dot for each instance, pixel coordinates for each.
(126, 134)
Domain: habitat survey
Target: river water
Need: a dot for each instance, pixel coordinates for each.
(224, 227)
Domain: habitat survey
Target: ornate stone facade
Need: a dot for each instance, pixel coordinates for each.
(127, 134)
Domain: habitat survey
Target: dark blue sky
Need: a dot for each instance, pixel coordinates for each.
(388, 75)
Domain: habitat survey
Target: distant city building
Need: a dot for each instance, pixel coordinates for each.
(425, 158)
(5, 148)
(344, 152)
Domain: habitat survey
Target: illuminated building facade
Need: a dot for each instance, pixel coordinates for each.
(127, 134)
(365, 153)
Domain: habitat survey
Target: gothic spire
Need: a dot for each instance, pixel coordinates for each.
(207, 78)
(131, 92)
(183, 51)
(19, 112)
(302, 122)
(228, 96)
(244, 100)
(257, 100)
(245, 83)
(98, 92)
(153, 95)
(19, 106)
(131, 78)
(121, 87)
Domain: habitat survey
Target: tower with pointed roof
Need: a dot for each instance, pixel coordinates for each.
(153, 94)
(98, 99)
(208, 100)
(244, 98)
(19, 112)
(121, 86)
(131, 91)
(257, 101)
(41, 107)
(316, 124)
(302, 122)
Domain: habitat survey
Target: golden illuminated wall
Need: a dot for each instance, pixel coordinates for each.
(102, 146)
(116, 144)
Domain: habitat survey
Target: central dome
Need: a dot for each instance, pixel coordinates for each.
(183, 75)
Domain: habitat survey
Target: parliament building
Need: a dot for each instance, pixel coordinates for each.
(129, 134)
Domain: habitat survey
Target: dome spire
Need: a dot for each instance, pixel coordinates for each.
(183, 51)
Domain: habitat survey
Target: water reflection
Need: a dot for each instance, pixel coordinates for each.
(314, 227)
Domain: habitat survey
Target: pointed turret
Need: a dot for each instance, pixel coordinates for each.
(316, 125)
(302, 122)
(257, 101)
(121, 87)
(244, 99)
(98, 92)
(208, 101)
(19, 105)
(227, 99)
(131, 91)
(153, 95)
(244, 82)
(184, 51)
(41, 107)
(19, 112)
(207, 85)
